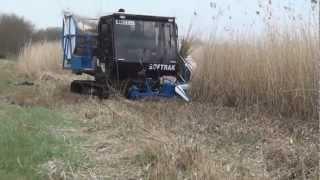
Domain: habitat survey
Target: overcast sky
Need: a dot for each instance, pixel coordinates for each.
(205, 14)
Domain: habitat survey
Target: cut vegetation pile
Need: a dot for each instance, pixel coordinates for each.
(278, 72)
(175, 140)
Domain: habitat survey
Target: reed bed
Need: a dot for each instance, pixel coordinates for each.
(277, 71)
(35, 59)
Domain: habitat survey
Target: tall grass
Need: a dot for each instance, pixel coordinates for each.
(35, 59)
(278, 72)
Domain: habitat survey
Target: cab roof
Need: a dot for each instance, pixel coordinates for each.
(120, 15)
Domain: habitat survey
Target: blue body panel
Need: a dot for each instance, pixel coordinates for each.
(166, 90)
(77, 61)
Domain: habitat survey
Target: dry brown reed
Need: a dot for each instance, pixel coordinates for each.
(36, 59)
(277, 71)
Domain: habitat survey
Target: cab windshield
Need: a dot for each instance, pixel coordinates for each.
(145, 41)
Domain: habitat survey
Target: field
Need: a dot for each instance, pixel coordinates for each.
(227, 132)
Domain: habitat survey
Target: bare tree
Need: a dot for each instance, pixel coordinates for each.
(49, 34)
(14, 33)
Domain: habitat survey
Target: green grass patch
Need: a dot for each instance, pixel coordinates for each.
(29, 138)
(7, 76)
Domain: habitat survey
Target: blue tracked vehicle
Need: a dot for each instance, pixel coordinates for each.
(138, 53)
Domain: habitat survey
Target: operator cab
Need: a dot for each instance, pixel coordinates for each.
(135, 45)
